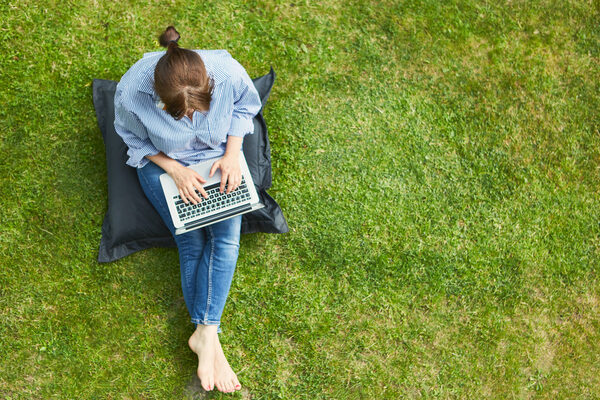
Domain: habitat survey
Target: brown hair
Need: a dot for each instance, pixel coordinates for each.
(180, 78)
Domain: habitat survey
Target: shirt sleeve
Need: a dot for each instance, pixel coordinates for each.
(135, 136)
(246, 103)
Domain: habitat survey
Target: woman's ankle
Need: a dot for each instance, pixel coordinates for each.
(206, 329)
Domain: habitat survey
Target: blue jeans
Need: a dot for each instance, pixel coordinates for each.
(207, 256)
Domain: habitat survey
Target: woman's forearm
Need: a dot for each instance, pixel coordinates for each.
(234, 145)
(164, 161)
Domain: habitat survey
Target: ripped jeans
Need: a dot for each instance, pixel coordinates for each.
(207, 256)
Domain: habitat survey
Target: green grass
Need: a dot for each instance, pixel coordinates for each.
(437, 162)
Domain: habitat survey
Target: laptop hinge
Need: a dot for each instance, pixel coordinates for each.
(221, 215)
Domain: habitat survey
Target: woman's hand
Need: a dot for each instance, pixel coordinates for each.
(231, 173)
(188, 181)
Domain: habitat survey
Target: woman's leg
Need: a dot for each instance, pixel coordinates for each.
(190, 245)
(218, 265)
(207, 261)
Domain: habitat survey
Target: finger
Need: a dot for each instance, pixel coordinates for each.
(199, 178)
(189, 195)
(203, 192)
(223, 182)
(200, 186)
(195, 196)
(234, 183)
(214, 167)
(231, 185)
(182, 195)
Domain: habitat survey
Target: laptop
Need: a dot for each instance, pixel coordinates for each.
(218, 207)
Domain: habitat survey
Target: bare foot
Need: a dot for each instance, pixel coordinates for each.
(225, 379)
(203, 343)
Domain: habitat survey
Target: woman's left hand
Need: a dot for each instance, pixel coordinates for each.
(231, 173)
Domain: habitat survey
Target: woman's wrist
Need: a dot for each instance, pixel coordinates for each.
(232, 155)
(165, 162)
(234, 145)
(171, 166)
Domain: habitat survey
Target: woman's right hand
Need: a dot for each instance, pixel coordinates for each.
(188, 181)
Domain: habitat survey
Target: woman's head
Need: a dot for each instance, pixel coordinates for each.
(180, 78)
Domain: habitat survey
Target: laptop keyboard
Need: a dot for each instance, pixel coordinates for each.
(216, 201)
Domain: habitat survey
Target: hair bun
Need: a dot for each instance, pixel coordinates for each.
(170, 35)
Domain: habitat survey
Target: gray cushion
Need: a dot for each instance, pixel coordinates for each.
(131, 223)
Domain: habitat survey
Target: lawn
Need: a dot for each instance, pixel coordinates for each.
(438, 163)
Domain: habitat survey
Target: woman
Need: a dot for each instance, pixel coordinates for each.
(174, 109)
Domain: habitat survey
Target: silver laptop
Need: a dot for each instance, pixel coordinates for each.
(218, 207)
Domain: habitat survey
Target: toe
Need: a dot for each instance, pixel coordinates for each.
(226, 387)
(207, 382)
(204, 380)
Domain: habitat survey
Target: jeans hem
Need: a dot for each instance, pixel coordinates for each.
(199, 321)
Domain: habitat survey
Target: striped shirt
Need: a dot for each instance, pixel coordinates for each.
(147, 129)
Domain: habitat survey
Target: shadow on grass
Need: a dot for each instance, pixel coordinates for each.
(194, 391)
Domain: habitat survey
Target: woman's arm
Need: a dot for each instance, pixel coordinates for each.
(231, 173)
(246, 104)
(134, 134)
(188, 180)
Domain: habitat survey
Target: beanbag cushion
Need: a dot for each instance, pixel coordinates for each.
(131, 223)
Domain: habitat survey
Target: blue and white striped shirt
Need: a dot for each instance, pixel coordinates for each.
(147, 129)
